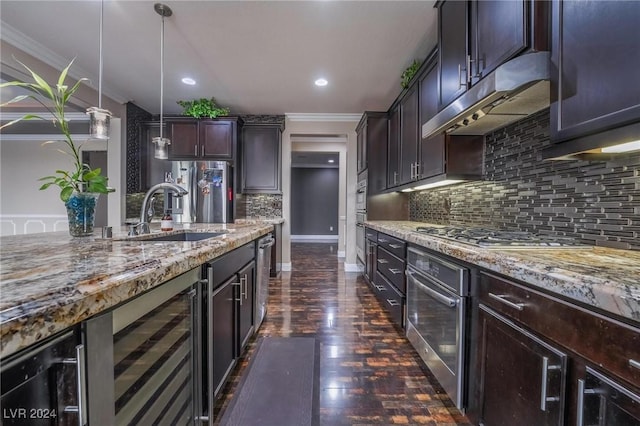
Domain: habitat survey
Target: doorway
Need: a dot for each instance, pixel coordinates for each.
(314, 196)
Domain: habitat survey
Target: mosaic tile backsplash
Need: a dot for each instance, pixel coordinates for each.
(258, 205)
(597, 203)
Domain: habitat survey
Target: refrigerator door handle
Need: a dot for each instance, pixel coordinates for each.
(193, 196)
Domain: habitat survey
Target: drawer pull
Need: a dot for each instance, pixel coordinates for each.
(395, 271)
(380, 287)
(543, 393)
(382, 240)
(393, 302)
(395, 246)
(383, 261)
(634, 363)
(503, 299)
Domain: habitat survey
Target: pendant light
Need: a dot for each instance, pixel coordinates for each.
(99, 119)
(161, 143)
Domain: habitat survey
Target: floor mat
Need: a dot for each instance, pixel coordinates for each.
(280, 386)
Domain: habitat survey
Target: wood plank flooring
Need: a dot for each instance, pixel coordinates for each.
(369, 373)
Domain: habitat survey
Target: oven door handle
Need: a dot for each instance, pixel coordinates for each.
(448, 301)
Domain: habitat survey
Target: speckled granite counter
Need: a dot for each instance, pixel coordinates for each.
(51, 281)
(608, 279)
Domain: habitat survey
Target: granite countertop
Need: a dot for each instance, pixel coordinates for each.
(608, 279)
(51, 281)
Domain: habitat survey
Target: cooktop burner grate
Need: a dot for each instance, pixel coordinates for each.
(491, 238)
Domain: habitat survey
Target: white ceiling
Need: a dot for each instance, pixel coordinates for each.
(256, 57)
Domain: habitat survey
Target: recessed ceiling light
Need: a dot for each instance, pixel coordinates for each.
(331, 161)
(321, 82)
(189, 81)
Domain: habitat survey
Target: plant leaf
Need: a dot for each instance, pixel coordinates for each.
(43, 85)
(64, 72)
(66, 193)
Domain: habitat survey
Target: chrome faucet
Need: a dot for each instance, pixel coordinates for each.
(144, 212)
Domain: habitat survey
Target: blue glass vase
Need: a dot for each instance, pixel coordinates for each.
(81, 210)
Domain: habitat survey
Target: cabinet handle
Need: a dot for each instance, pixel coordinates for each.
(460, 83)
(503, 299)
(634, 363)
(543, 392)
(383, 261)
(393, 302)
(395, 178)
(413, 171)
(240, 285)
(195, 151)
(246, 286)
(469, 61)
(202, 150)
(80, 385)
(580, 404)
(395, 246)
(417, 171)
(395, 271)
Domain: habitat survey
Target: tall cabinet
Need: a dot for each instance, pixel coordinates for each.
(261, 152)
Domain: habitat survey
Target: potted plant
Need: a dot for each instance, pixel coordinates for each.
(202, 107)
(80, 186)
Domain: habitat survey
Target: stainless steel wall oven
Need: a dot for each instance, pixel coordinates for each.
(437, 311)
(361, 217)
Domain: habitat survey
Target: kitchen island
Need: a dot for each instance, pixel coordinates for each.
(51, 281)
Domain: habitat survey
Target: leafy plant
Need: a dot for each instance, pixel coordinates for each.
(408, 74)
(81, 178)
(202, 107)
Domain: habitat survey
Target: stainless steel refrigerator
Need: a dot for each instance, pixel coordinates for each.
(210, 186)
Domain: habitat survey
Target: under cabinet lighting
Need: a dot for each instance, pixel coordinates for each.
(431, 185)
(623, 147)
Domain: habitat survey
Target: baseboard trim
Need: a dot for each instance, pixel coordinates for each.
(353, 267)
(314, 238)
(285, 267)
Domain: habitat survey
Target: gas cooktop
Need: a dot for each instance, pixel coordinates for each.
(491, 238)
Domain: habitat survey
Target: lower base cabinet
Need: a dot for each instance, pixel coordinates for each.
(522, 379)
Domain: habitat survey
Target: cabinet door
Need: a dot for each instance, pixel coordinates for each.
(184, 139)
(222, 333)
(409, 135)
(521, 379)
(432, 150)
(596, 51)
(261, 159)
(376, 139)
(245, 298)
(452, 29)
(499, 32)
(393, 153)
(362, 147)
(216, 139)
(432, 156)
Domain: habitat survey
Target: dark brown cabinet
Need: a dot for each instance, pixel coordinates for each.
(222, 334)
(522, 379)
(453, 50)
(372, 146)
(261, 159)
(460, 157)
(211, 139)
(476, 37)
(596, 52)
(432, 159)
(409, 135)
(393, 151)
(244, 299)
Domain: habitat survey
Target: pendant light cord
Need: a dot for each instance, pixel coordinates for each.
(161, 75)
(100, 63)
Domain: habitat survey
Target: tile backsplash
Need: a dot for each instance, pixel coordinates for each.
(258, 205)
(595, 202)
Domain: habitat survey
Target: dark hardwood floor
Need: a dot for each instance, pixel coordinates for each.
(369, 373)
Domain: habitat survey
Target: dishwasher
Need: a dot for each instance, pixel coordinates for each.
(262, 278)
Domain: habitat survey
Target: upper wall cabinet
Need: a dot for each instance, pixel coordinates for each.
(372, 147)
(260, 159)
(595, 90)
(475, 37)
(209, 139)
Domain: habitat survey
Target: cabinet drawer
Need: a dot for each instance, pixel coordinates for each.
(599, 339)
(392, 301)
(392, 268)
(393, 245)
(370, 234)
(228, 264)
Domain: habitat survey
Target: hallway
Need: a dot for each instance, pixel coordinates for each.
(369, 373)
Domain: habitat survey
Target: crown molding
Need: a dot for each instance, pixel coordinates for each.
(292, 116)
(46, 55)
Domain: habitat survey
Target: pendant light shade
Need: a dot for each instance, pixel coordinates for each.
(99, 119)
(161, 150)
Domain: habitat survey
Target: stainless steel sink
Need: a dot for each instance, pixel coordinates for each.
(184, 236)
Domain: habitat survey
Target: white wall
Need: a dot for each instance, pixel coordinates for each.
(301, 129)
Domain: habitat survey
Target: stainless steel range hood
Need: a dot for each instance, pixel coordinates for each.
(513, 91)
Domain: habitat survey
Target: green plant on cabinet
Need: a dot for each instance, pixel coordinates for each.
(203, 107)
